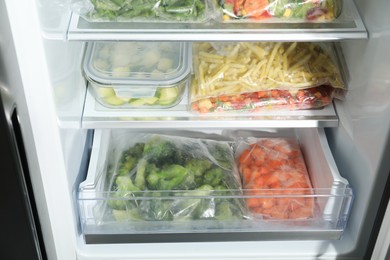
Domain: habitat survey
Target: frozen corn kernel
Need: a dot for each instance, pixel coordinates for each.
(287, 13)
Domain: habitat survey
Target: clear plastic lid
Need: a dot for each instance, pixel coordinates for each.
(137, 63)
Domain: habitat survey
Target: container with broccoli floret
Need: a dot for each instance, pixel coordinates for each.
(138, 75)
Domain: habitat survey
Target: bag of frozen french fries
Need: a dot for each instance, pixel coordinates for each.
(256, 76)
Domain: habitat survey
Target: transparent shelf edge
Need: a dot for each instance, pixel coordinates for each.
(213, 237)
(350, 27)
(98, 116)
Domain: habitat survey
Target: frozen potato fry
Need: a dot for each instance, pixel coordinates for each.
(261, 66)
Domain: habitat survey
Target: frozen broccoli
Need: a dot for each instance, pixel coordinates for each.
(222, 154)
(231, 207)
(205, 189)
(137, 150)
(126, 215)
(206, 207)
(127, 165)
(124, 183)
(118, 202)
(191, 205)
(156, 207)
(123, 189)
(130, 159)
(198, 166)
(160, 151)
(139, 180)
(226, 210)
(214, 176)
(170, 177)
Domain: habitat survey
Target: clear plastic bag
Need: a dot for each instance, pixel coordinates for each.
(274, 170)
(230, 69)
(284, 10)
(163, 178)
(311, 98)
(142, 10)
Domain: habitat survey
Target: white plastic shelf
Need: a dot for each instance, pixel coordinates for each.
(348, 26)
(97, 116)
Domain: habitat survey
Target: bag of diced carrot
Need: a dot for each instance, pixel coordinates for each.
(276, 99)
(275, 178)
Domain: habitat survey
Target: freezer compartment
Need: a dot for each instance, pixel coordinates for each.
(211, 214)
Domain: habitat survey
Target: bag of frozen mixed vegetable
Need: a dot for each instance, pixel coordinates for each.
(280, 10)
(142, 10)
(164, 178)
(275, 179)
(253, 76)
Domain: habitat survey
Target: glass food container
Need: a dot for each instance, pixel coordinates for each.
(137, 75)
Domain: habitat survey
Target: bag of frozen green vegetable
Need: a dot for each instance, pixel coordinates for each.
(141, 10)
(163, 178)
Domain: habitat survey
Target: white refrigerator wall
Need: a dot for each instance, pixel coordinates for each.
(10, 81)
(53, 92)
(361, 144)
(54, 88)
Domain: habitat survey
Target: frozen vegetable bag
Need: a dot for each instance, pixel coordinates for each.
(282, 10)
(141, 10)
(275, 178)
(168, 178)
(263, 75)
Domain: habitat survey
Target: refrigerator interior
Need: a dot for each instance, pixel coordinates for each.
(53, 98)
